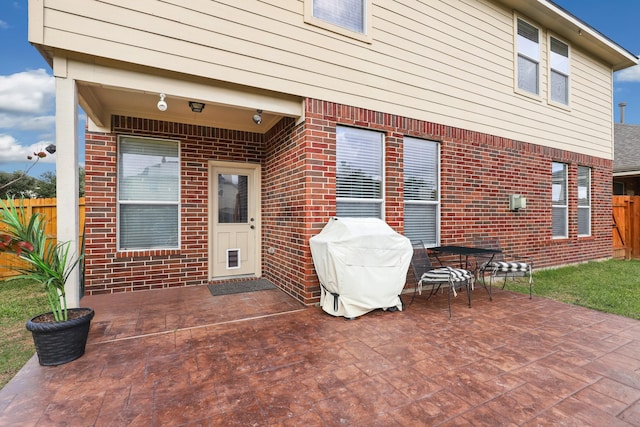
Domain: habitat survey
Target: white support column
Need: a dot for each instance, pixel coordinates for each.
(67, 175)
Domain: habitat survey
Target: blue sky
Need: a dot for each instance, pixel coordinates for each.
(27, 88)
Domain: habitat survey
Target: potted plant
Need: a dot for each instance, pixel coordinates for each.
(60, 335)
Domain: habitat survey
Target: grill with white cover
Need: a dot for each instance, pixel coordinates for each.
(362, 265)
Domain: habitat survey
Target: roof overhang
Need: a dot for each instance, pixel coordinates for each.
(575, 31)
(627, 173)
(108, 88)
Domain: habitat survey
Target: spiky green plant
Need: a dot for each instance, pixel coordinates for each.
(45, 261)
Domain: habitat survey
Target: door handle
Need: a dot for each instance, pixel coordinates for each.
(253, 227)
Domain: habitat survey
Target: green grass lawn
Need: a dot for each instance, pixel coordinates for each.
(612, 286)
(19, 301)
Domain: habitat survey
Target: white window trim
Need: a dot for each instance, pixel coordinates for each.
(118, 202)
(320, 23)
(538, 96)
(565, 205)
(436, 202)
(384, 177)
(566, 106)
(590, 203)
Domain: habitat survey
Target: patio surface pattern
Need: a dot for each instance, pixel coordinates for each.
(179, 357)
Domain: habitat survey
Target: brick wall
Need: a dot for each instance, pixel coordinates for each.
(478, 172)
(109, 271)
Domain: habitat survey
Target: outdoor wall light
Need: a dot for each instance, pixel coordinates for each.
(257, 118)
(196, 107)
(162, 105)
(51, 148)
(517, 202)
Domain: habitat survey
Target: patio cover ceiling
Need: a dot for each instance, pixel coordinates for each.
(106, 89)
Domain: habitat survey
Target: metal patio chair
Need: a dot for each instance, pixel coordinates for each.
(501, 265)
(429, 277)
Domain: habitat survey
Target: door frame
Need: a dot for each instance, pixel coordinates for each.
(256, 170)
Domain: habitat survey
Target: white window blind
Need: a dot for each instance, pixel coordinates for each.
(559, 200)
(559, 63)
(359, 172)
(148, 194)
(528, 57)
(584, 201)
(421, 191)
(348, 14)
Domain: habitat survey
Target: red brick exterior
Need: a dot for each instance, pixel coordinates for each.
(478, 173)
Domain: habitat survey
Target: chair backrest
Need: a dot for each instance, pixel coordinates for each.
(420, 262)
(488, 242)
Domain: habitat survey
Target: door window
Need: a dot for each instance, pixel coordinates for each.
(233, 197)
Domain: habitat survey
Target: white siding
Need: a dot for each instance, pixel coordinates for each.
(449, 61)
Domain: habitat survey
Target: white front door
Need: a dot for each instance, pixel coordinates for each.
(234, 240)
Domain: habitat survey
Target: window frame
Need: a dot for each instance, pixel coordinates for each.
(437, 201)
(551, 70)
(381, 200)
(587, 206)
(565, 205)
(364, 36)
(120, 203)
(517, 54)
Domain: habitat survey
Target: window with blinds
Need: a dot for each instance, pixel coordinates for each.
(148, 194)
(348, 14)
(584, 201)
(559, 71)
(528, 46)
(421, 190)
(359, 172)
(559, 200)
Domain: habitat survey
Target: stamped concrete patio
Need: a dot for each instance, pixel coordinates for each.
(183, 357)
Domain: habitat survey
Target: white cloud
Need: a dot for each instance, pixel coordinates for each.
(631, 74)
(28, 123)
(12, 151)
(27, 92)
(3, 25)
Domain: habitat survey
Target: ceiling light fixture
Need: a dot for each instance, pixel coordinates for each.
(162, 105)
(196, 107)
(257, 118)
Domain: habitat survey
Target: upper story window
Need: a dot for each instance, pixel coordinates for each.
(347, 14)
(558, 71)
(346, 17)
(528, 45)
(359, 172)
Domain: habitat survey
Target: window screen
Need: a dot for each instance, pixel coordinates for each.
(528, 57)
(421, 192)
(148, 194)
(559, 63)
(359, 172)
(348, 14)
(584, 201)
(559, 200)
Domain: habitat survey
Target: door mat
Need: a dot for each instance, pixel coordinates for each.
(240, 287)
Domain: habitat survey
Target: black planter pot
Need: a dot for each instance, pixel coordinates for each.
(60, 342)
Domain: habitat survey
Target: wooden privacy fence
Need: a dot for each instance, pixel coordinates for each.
(48, 209)
(626, 227)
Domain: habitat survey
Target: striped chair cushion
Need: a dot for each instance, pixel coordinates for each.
(508, 266)
(443, 274)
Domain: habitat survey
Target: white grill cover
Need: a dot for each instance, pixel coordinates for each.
(364, 262)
